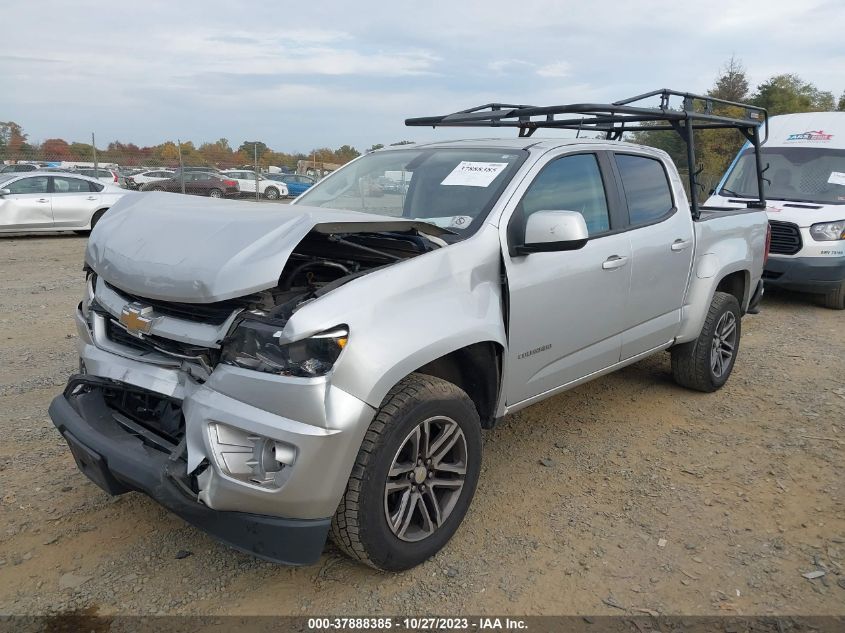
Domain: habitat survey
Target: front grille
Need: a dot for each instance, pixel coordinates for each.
(786, 238)
(157, 344)
(156, 413)
(213, 313)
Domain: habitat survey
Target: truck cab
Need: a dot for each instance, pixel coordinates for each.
(804, 159)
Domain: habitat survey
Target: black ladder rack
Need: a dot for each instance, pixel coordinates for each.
(691, 112)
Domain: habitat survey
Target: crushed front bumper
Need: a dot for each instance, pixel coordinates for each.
(320, 426)
(119, 462)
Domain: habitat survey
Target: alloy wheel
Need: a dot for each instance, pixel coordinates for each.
(724, 344)
(425, 479)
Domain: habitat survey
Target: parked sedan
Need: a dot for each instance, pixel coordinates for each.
(103, 174)
(270, 189)
(295, 183)
(53, 201)
(198, 184)
(136, 181)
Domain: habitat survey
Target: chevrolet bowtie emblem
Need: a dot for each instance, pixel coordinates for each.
(137, 318)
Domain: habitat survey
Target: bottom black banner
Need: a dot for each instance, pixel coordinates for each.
(83, 622)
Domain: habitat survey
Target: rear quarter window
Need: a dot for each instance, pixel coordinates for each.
(646, 188)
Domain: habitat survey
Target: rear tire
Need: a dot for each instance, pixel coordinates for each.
(271, 193)
(706, 363)
(414, 476)
(215, 193)
(835, 299)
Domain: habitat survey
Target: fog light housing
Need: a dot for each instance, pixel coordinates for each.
(249, 457)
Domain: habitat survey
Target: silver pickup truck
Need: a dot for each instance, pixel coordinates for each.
(276, 375)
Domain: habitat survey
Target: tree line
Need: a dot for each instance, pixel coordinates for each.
(780, 94)
(16, 146)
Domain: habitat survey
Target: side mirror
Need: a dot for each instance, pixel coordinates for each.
(550, 231)
(5, 192)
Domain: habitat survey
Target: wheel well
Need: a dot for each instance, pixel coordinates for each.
(734, 284)
(477, 370)
(95, 217)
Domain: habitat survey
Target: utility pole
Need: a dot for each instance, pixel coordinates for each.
(255, 153)
(181, 166)
(94, 150)
(255, 167)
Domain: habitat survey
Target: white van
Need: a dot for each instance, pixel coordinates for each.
(805, 192)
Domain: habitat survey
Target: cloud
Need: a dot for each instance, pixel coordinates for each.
(557, 69)
(501, 66)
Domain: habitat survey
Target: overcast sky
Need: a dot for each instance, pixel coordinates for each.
(326, 73)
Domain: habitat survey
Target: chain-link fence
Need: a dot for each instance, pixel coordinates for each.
(145, 168)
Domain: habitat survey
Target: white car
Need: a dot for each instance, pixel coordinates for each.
(138, 180)
(53, 201)
(103, 174)
(270, 189)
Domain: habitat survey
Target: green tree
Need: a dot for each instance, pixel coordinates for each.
(788, 93)
(345, 153)
(247, 148)
(841, 104)
(81, 151)
(732, 83)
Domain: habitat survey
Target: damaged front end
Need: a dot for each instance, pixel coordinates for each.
(319, 264)
(213, 410)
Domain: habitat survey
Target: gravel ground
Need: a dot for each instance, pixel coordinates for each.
(628, 494)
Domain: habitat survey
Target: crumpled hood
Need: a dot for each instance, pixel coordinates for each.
(199, 250)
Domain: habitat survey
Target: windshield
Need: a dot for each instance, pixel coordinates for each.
(453, 188)
(800, 174)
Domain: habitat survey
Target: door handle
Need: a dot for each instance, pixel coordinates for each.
(680, 245)
(614, 261)
(43, 200)
(90, 198)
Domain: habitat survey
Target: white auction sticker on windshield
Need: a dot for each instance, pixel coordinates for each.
(472, 174)
(837, 178)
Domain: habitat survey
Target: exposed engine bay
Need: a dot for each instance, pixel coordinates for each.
(322, 262)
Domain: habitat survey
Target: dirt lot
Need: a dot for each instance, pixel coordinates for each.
(628, 493)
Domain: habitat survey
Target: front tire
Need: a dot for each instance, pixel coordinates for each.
(271, 193)
(706, 363)
(414, 476)
(835, 299)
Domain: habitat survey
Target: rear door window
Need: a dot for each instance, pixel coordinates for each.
(63, 184)
(646, 188)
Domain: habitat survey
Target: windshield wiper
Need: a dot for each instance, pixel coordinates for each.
(804, 200)
(725, 190)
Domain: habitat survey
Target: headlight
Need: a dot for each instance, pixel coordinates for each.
(255, 345)
(828, 231)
